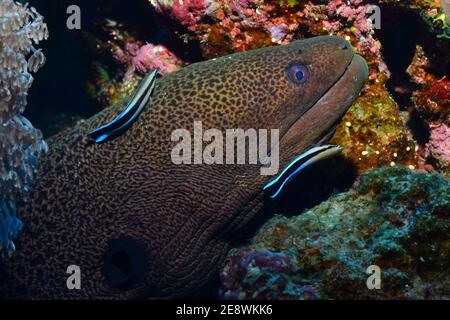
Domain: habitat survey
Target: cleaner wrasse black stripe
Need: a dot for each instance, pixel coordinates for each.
(301, 162)
(131, 113)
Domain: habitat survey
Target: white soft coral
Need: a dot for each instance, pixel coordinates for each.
(21, 27)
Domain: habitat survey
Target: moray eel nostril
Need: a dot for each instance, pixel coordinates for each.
(139, 225)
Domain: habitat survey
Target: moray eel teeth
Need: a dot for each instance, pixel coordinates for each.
(301, 162)
(128, 116)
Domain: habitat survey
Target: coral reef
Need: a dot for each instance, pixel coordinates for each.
(439, 20)
(432, 101)
(147, 57)
(438, 147)
(273, 275)
(432, 98)
(376, 133)
(110, 90)
(373, 132)
(188, 12)
(446, 10)
(21, 27)
(224, 26)
(394, 218)
(134, 59)
(351, 19)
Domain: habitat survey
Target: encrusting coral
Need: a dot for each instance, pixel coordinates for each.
(432, 100)
(373, 132)
(394, 218)
(21, 27)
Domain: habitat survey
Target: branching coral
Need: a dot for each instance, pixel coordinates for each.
(21, 27)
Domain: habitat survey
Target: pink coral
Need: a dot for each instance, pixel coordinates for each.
(147, 57)
(241, 25)
(439, 144)
(351, 19)
(263, 274)
(132, 48)
(187, 12)
(155, 56)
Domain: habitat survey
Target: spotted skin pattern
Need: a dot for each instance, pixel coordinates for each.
(176, 222)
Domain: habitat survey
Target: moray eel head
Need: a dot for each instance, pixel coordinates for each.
(139, 226)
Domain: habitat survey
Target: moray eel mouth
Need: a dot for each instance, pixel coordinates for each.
(331, 106)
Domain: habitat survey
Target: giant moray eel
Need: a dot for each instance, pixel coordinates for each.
(140, 226)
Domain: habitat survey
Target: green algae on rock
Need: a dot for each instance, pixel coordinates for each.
(394, 218)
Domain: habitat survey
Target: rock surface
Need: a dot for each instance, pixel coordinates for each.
(394, 218)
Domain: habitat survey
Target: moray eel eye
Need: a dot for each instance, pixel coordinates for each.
(125, 263)
(298, 73)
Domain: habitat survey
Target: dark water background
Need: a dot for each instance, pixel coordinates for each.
(60, 88)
